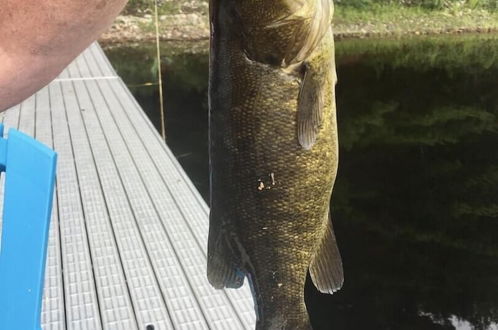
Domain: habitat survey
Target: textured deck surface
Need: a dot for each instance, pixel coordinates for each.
(129, 231)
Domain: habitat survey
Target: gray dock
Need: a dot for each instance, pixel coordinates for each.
(128, 235)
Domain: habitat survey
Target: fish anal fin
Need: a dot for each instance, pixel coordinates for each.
(309, 109)
(326, 265)
(222, 269)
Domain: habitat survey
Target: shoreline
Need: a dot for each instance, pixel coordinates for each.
(118, 38)
(349, 24)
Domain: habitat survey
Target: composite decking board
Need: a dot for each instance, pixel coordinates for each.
(53, 315)
(72, 71)
(128, 237)
(214, 303)
(63, 75)
(91, 65)
(102, 61)
(166, 211)
(241, 298)
(10, 118)
(91, 58)
(114, 294)
(149, 304)
(148, 301)
(252, 311)
(181, 304)
(114, 301)
(81, 304)
(192, 210)
(84, 70)
(27, 116)
(175, 287)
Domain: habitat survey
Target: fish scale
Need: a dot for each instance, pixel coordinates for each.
(270, 193)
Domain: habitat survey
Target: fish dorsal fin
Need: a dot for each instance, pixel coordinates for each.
(326, 265)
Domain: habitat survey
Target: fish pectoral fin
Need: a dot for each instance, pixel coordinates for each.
(326, 265)
(309, 109)
(222, 271)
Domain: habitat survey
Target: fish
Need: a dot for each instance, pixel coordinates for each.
(273, 154)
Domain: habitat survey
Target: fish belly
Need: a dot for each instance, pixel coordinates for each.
(269, 196)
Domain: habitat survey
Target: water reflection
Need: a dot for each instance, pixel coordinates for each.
(415, 204)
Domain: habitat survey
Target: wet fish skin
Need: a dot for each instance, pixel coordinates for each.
(273, 153)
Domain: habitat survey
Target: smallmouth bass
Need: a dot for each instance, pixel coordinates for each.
(273, 153)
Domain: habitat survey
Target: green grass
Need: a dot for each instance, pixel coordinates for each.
(427, 4)
(380, 18)
(356, 18)
(168, 7)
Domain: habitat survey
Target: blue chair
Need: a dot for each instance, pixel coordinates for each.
(29, 185)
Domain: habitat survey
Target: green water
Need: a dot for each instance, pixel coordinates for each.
(415, 204)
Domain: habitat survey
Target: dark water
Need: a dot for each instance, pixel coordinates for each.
(415, 204)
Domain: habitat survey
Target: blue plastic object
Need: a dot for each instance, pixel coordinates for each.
(29, 185)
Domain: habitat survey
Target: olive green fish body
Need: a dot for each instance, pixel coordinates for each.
(273, 160)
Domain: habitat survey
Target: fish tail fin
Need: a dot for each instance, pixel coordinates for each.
(222, 270)
(326, 265)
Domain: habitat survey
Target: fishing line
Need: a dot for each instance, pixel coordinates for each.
(143, 85)
(160, 82)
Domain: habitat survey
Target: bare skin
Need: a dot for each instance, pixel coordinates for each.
(39, 38)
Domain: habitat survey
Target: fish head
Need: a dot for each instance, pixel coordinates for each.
(282, 32)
